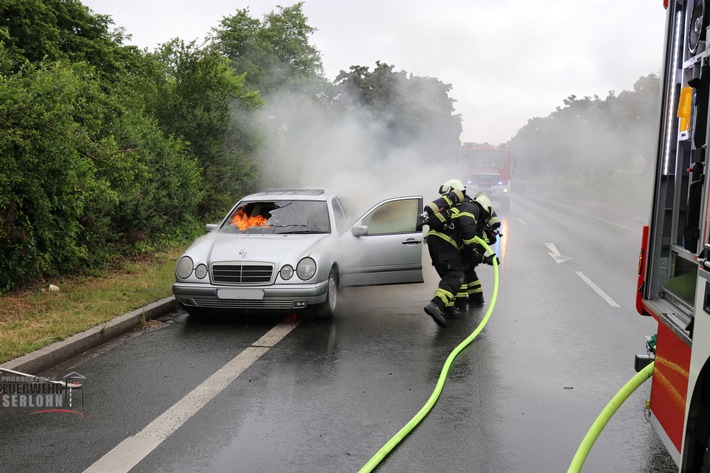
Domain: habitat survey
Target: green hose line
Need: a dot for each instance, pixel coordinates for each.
(605, 415)
(399, 436)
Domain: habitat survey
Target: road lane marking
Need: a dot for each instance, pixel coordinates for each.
(521, 221)
(596, 288)
(609, 222)
(132, 450)
(554, 252)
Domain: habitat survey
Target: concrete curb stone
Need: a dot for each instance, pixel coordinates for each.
(59, 352)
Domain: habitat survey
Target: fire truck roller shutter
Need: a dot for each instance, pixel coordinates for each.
(702, 94)
(695, 191)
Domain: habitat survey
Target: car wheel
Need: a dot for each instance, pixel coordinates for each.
(327, 308)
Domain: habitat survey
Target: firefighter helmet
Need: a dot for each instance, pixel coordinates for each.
(452, 185)
(485, 203)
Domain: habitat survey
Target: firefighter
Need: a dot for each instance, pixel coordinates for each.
(449, 227)
(487, 227)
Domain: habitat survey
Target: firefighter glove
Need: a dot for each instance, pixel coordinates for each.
(490, 235)
(489, 259)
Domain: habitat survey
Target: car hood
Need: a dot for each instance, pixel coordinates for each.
(226, 247)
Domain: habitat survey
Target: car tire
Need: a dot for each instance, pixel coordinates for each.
(327, 309)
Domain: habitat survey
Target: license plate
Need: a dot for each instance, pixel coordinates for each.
(233, 293)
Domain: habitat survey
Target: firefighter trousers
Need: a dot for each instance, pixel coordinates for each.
(446, 259)
(471, 288)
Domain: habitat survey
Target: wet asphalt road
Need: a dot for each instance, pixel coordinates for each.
(330, 393)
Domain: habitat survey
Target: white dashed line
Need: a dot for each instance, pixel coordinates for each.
(604, 296)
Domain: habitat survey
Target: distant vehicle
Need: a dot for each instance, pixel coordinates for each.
(487, 168)
(292, 250)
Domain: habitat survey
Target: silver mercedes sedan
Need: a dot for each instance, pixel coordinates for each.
(288, 250)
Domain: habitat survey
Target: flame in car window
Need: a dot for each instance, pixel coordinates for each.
(242, 221)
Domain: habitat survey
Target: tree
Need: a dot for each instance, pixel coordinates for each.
(50, 30)
(85, 173)
(274, 53)
(197, 95)
(590, 137)
(406, 109)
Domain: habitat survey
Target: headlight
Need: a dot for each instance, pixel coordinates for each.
(306, 268)
(286, 272)
(201, 271)
(184, 266)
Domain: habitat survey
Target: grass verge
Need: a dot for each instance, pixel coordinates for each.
(36, 317)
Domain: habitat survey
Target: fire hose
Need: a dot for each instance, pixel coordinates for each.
(404, 431)
(589, 439)
(605, 415)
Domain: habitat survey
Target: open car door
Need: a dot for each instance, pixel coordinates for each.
(384, 246)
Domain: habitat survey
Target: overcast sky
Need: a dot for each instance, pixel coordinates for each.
(506, 60)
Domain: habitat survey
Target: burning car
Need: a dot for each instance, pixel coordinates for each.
(292, 250)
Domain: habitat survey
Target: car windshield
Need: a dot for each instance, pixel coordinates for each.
(278, 217)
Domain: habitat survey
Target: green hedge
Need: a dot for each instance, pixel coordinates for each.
(82, 175)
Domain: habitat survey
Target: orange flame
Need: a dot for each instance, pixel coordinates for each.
(242, 221)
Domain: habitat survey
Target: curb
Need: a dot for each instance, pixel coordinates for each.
(59, 352)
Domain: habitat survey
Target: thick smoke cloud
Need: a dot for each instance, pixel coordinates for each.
(311, 145)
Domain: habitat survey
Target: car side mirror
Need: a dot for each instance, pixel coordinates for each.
(360, 230)
(211, 226)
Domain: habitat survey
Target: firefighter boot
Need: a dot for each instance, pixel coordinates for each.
(461, 303)
(476, 298)
(452, 313)
(456, 310)
(436, 312)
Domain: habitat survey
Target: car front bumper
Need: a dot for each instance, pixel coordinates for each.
(275, 297)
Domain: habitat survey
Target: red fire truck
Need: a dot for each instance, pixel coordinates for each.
(674, 264)
(486, 168)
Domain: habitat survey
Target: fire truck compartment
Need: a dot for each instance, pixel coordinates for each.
(681, 288)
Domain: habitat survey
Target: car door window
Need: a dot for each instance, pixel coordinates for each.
(399, 216)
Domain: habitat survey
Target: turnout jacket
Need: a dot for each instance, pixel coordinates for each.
(454, 218)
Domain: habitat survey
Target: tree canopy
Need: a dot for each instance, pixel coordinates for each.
(590, 136)
(273, 53)
(407, 108)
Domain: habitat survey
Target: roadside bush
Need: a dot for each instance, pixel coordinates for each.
(45, 174)
(81, 175)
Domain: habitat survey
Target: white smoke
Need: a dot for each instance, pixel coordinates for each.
(311, 146)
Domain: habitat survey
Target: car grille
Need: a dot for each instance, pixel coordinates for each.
(238, 304)
(242, 273)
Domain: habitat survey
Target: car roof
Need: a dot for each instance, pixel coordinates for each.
(289, 194)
